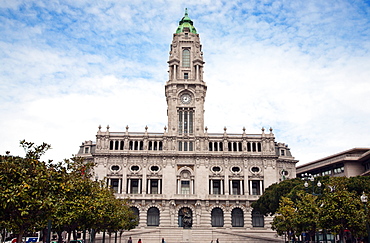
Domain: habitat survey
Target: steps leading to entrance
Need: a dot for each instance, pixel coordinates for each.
(196, 235)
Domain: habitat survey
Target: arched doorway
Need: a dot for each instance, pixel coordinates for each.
(185, 218)
(217, 217)
(135, 210)
(153, 217)
(237, 218)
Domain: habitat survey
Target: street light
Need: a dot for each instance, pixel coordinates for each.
(308, 177)
(364, 200)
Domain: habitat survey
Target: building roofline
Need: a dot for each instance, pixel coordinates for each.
(366, 152)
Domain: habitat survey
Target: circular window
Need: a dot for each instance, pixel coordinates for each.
(255, 169)
(216, 169)
(135, 168)
(284, 173)
(154, 168)
(235, 169)
(115, 168)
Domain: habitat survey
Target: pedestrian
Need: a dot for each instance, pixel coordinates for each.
(217, 241)
(139, 241)
(129, 240)
(163, 241)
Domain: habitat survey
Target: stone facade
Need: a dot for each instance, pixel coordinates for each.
(185, 179)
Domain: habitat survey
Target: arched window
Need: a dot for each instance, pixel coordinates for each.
(153, 217)
(259, 147)
(254, 147)
(136, 213)
(185, 218)
(111, 145)
(257, 219)
(122, 145)
(249, 147)
(186, 58)
(237, 217)
(217, 217)
(116, 145)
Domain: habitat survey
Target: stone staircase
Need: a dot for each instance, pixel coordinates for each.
(196, 235)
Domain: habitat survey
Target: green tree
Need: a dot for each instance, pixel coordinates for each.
(285, 221)
(33, 192)
(268, 203)
(308, 208)
(341, 210)
(24, 202)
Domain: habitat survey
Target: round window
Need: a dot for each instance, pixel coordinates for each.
(216, 169)
(135, 168)
(154, 168)
(255, 169)
(235, 169)
(114, 168)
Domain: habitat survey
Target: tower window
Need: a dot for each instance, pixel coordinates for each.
(186, 58)
(186, 121)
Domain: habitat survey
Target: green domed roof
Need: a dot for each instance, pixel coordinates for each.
(186, 22)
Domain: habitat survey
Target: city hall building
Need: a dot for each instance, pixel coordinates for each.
(185, 184)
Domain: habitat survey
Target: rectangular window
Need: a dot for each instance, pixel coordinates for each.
(255, 187)
(114, 183)
(282, 152)
(186, 58)
(180, 146)
(154, 189)
(185, 122)
(328, 172)
(86, 150)
(191, 121)
(190, 146)
(185, 146)
(134, 186)
(180, 122)
(185, 187)
(338, 170)
(186, 75)
(235, 187)
(216, 187)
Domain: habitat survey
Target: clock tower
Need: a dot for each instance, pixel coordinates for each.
(185, 89)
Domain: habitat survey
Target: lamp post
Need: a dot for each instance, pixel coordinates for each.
(364, 200)
(308, 177)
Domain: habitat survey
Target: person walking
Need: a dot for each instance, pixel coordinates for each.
(129, 240)
(163, 241)
(217, 241)
(139, 241)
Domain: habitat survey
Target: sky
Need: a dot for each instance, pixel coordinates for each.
(299, 67)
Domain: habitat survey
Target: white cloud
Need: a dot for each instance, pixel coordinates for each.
(301, 68)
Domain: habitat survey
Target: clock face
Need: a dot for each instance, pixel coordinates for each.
(185, 98)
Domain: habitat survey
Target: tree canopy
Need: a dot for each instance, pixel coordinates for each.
(33, 191)
(332, 205)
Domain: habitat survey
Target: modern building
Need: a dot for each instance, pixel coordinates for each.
(349, 163)
(185, 184)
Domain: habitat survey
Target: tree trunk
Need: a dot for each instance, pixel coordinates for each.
(60, 237)
(20, 235)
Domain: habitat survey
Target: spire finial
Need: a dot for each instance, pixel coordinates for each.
(186, 11)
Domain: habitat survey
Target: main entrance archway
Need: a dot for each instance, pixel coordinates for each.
(185, 218)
